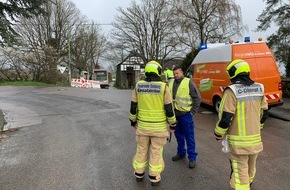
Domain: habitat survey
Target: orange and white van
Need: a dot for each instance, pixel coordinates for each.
(208, 70)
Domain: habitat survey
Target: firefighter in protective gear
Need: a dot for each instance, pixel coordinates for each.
(168, 75)
(150, 113)
(242, 112)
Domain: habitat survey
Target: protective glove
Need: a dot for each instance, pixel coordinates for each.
(218, 137)
(172, 127)
(133, 123)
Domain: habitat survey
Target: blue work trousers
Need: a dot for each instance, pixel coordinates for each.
(184, 132)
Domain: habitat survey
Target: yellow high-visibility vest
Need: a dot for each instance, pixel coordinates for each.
(151, 112)
(182, 101)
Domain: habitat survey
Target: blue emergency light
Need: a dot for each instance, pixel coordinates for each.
(202, 46)
(247, 39)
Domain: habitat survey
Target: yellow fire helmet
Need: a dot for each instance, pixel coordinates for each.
(236, 67)
(153, 67)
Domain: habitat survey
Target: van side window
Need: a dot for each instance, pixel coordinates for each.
(189, 72)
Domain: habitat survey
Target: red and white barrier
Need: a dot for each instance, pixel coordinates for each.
(83, 83)
(272, 96)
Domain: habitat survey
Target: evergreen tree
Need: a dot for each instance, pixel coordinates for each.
(278, 12)
(188, 59)
(11, 10)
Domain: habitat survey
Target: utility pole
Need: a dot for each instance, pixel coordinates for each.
(69, 57)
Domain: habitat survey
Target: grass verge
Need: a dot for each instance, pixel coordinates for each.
(27, 83)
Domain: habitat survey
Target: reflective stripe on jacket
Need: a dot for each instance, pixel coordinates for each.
(151, 113)
(247, 104)
(182, 101)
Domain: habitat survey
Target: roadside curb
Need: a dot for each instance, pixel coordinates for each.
(2, 121)
(14, 117)
(279, 116)
(281, 112)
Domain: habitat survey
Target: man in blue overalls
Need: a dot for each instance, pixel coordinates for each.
(186, 101)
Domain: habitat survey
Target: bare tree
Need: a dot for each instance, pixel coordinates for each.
(148, 29)
(88, 45)
(51, 37)
(14, 67)
(46, 37)
(204, 21)
(115, 56)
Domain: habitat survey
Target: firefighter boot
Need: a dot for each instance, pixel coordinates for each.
(154, 180)
(139, 177)
(153, 184)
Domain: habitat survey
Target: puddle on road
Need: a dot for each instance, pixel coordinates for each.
(206, 112)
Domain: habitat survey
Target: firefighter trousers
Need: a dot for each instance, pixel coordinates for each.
(243, 171)
(152, 148)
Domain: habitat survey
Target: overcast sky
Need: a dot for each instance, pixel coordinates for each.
(104, 12)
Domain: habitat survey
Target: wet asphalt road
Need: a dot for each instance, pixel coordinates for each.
(76, 139)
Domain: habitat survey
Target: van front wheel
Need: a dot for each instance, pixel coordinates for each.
(217, 103)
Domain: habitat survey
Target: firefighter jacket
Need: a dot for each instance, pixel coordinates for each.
(182, 100)
(242, 108)
(151, 115)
